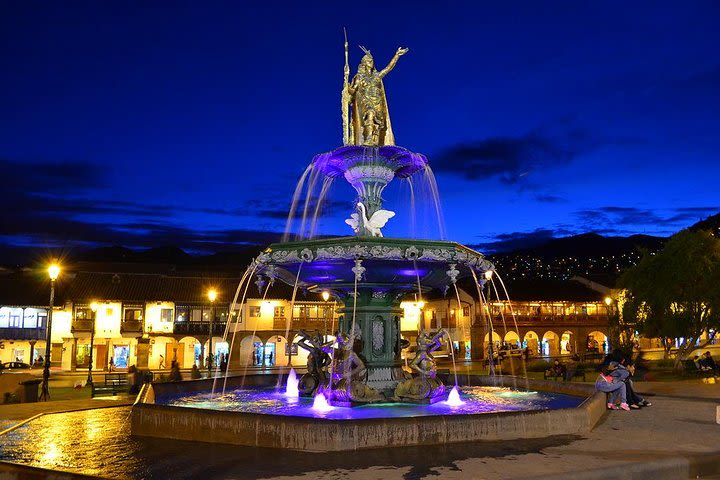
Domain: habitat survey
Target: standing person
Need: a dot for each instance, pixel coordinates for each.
(615, 387)
(112, 364)
(161, 366)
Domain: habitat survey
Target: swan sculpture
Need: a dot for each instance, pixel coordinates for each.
(373, 224)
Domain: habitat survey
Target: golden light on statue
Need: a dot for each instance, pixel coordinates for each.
(94, 306)
(488, 274)
(54, 271)
(608, 301)
(325, 296)
(212, 295)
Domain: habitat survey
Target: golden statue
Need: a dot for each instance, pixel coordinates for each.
(369, 123)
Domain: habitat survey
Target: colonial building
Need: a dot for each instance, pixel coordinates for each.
(150, 320)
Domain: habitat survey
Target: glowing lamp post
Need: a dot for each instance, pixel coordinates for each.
(53, 273)
(325, 297)
(608, 302)
(93, 307)
(212, 296)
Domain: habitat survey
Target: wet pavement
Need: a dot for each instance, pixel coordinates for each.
(666, 437)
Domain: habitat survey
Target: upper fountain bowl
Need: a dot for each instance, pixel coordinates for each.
(400, 161)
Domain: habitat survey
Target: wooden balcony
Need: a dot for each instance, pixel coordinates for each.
(303, 323)
(131, 326)
(199, 328)
(18, 333)
(83, 325)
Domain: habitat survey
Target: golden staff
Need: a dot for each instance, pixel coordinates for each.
(346, 96)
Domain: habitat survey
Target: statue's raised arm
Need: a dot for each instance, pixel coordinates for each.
(400, 52)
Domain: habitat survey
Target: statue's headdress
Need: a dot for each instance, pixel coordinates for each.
(367, 58)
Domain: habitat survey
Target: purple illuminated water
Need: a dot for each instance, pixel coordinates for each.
(476, 400)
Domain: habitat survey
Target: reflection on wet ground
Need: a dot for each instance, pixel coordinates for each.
(97, 442)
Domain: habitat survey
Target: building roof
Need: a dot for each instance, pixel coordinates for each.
(30, 289)
(530, 290)
(33, 288)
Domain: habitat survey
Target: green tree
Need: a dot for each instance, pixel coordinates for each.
(676, 292)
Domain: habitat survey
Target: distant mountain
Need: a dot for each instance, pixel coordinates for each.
(711, 223)
(592, 245)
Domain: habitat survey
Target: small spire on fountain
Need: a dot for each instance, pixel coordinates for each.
(260, 283)
(453, 273)
(358, 269)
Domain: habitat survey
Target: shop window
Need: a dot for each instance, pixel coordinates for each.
(254, 311)
(83, 313)
(182, 314)
(279, 312)
(132, 314)
(166, 315)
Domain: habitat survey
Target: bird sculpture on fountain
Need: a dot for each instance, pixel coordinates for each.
(372, 224)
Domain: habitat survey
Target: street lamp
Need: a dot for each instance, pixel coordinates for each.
(325, 297)
(212, 295)
(93, 307)
(53, 273)
(608, 302)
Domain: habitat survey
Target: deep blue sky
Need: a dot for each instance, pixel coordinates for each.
(188, 123)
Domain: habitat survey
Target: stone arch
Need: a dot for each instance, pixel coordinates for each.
(187, 353)
(550, 344)
(512, 338)
(164, 346)
(247, 351)
(496, 340)
(597, 342)
(568, 343)
(278, 344)
(532, 341)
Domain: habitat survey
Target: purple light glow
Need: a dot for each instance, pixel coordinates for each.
(401, 160)
(409, 272)
(476, 400)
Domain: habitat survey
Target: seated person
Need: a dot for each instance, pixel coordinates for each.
(707, 363)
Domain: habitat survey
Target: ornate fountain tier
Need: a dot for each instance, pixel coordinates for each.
(389, 263)
(398, 160)
(370, 275)
(370, 169)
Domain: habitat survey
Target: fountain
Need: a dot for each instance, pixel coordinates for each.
(356, 383)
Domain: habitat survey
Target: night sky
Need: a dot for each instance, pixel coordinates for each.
(145, 123)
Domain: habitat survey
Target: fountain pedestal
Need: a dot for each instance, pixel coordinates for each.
(376, 334)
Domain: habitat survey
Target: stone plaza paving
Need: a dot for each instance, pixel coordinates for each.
(676, 438)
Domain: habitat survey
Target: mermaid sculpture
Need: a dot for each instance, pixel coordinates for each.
(424, 387)
(317, 361)
(348, 383)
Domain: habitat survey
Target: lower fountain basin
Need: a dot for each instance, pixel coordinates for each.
(256, 415)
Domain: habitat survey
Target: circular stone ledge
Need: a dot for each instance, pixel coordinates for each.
(321, 435)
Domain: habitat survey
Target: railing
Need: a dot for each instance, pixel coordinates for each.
(79, 325)
(18, 333)
(131, 326)
(199, 328)
(299, 323)
(549, 319)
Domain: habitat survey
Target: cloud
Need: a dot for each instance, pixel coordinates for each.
(49, 177)
(506, 158)
(47, 204)
(513, 159)
(549, 199)
(633, 220)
